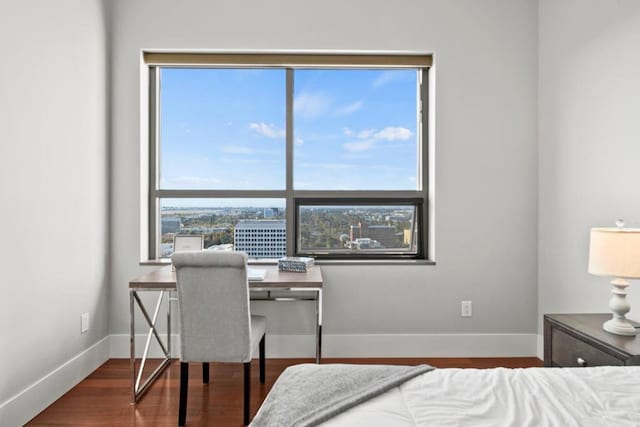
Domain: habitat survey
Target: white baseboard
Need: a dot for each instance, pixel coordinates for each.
(278, 346)
(431, 345)
(541, 347)
(119, 346)
(378, 345)
(28, 403)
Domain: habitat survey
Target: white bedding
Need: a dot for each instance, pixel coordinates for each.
(599, 396)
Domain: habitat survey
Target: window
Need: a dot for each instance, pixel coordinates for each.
(344, 229)
(300, 155)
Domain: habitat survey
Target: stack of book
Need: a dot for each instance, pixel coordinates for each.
(295, 264)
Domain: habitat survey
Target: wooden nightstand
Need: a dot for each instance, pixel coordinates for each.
(574, 340)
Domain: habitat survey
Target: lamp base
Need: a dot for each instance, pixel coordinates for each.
(619, 326)
(618, 304)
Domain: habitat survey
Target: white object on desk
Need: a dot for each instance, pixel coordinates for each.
(256, 274)
(188, 242)
(295, 264)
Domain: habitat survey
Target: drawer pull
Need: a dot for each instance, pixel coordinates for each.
(581, 361)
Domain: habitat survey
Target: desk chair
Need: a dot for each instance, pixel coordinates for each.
(215, 323)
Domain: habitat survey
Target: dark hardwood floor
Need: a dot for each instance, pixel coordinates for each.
(103, 398)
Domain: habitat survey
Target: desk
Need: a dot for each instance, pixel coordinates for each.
(163, 281)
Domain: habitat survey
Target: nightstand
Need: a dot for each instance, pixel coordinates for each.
(574, 340)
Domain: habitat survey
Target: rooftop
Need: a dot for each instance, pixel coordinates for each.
(269, 224)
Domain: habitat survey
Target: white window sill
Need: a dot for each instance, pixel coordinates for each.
(167, 261)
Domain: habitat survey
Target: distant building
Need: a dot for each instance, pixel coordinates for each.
(202, 230)
(355, 231)
(364, 243)
(171, 224)
(271, 213)
(407, 236)
(385, 234)
(261, 238)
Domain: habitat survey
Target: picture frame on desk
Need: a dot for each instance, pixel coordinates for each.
(188, 242)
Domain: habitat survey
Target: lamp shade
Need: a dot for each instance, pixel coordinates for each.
(615, 252)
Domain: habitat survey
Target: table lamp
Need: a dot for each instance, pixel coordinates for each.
(615, 252)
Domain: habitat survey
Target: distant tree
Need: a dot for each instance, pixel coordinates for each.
(219, 238)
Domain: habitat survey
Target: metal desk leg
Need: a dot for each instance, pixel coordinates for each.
(138, 389)
(318, 325)
(169, 299)
(132, 345)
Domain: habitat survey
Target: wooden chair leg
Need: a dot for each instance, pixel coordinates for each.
(247, 391)
(262, 356)
(205, 372)
(184, 387)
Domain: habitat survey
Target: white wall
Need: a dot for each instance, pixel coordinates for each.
(503, 199)
(486, 154)
(589, 112)
(53, 195)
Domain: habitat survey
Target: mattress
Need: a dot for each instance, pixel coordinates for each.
(598, 396)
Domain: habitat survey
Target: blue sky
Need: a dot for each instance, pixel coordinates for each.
(224, 129)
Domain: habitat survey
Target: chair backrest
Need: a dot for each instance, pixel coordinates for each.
(213, 296)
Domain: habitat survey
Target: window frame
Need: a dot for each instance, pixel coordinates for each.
(419, 217)
(153, 62)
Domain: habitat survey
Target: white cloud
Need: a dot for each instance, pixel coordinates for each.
(368, 138)
(349, 109)
(393, 133)
(385, 77)
(268, 130)
(233, 149)
(311, 105)
(299, 141)
(358, 146)
(367, 133)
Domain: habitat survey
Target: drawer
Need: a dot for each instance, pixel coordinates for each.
(567, 349)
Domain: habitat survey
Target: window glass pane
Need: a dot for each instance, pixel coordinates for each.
(356, 230)
(356, 129)
(222, 128)
(255, 226)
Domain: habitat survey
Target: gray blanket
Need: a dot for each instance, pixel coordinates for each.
(309, 394)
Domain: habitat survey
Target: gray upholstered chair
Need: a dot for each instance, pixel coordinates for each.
(215, 323)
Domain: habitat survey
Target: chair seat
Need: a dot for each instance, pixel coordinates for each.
(258, 327)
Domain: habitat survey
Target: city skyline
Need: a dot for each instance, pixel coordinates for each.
(261, 232)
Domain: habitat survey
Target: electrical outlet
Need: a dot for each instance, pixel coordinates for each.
(465, 309)
(84, 323)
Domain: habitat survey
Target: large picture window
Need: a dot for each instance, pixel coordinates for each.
(299, 155)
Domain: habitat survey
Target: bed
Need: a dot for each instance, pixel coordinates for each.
(419, 396)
